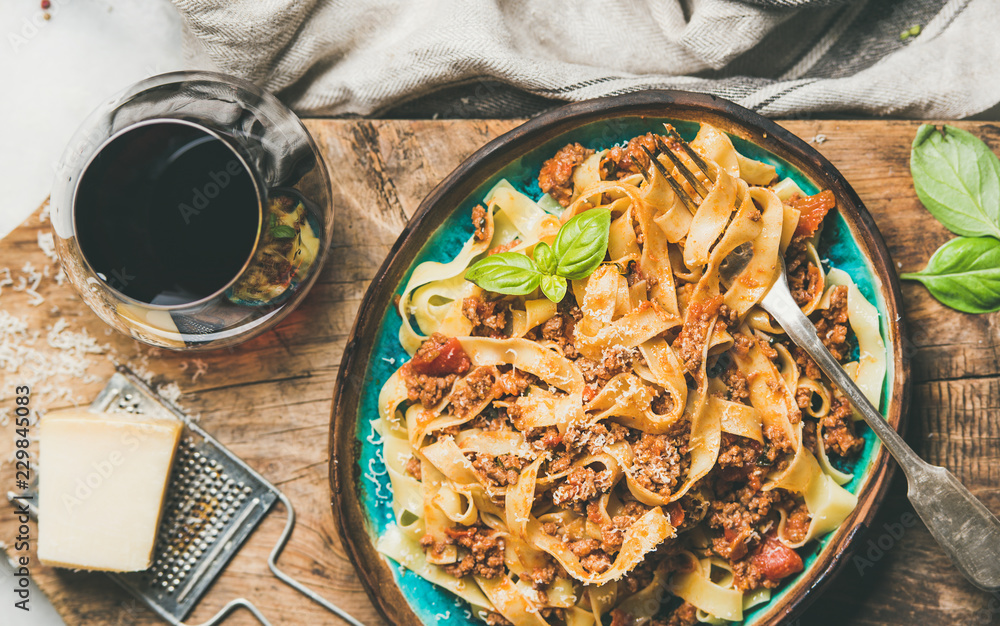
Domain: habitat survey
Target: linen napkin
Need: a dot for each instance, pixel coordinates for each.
(484, 58)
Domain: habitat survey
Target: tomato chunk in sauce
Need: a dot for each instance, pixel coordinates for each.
(440, 356)
(775, 560)
(812, 210)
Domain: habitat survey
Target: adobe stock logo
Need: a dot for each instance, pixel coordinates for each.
(201, 198)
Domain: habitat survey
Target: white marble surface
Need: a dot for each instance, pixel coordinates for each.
(55, 72)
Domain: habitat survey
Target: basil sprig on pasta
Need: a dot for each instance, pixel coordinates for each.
(578, 249)
(957, 177)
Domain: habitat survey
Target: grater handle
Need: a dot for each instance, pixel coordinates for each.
(229, 608)
(272, 562)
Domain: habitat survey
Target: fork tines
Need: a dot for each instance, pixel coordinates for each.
(683, 195)
(667, 148)
(685, 172)
(694, 156)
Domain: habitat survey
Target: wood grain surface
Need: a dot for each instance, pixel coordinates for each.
(269, 399)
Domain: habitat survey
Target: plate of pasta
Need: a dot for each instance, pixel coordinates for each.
(554, 410)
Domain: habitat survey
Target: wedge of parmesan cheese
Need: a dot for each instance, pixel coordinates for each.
(101, 485)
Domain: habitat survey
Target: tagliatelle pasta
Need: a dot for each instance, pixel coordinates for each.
(650, 449)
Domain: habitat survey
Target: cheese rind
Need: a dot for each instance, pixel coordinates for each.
(101, 484)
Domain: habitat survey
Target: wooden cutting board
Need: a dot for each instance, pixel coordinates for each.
(269, 400)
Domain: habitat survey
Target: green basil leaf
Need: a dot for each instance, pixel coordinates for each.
(554, 287)
(508, 273)
(283, 231)
(957, 177)
(582, 243)
(545, 259)
(964, 274)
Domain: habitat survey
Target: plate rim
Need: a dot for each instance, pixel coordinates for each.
(375, 575)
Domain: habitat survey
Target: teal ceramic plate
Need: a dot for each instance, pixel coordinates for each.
(850, 241)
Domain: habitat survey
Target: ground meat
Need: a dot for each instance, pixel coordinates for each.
(428, 390)
(737, 513)
(660, 460)
(413, 467)
(433, 546)
(559, 328)
(804, 279)
(513, 382)
(832, 325)
(582, 484)
(596, 563)
(778, 442)
(728, 316)
(491, 418)
(498, 471)
(684, 615)
(743, 343)
(736, 381)
(797, 524)
(488, 317)
(472, 390)
(613, 534)
(809, 436)
(584, 547)
(484, 556)
(747, 576)
(737, 453)
(561, 461)
(690, 342)
(480, 223)
(544, 437)
(803, 397)
(693, 509)
(595, 438)
(614, 361)
(556, 176)
(495, 619)
(838, 429)
(542, 577)
(622, 161)
(640, 576)
(592, 558)
(434, 369)
(767, 349)
(806, 365)
(662, 404)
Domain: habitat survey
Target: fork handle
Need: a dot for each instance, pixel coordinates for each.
(964, 527)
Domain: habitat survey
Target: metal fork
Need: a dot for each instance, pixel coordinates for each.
(960, 523)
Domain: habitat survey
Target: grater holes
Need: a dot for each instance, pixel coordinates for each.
(202, 500)
(127, 403)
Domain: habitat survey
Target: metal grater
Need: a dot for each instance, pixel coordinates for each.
(214, 501)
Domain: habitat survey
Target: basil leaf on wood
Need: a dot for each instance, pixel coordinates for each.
(964, 274)
(582, 243)
(554, 287)
(957, 177)
(508, 273)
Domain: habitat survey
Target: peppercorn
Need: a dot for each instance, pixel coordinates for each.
(46, 4)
